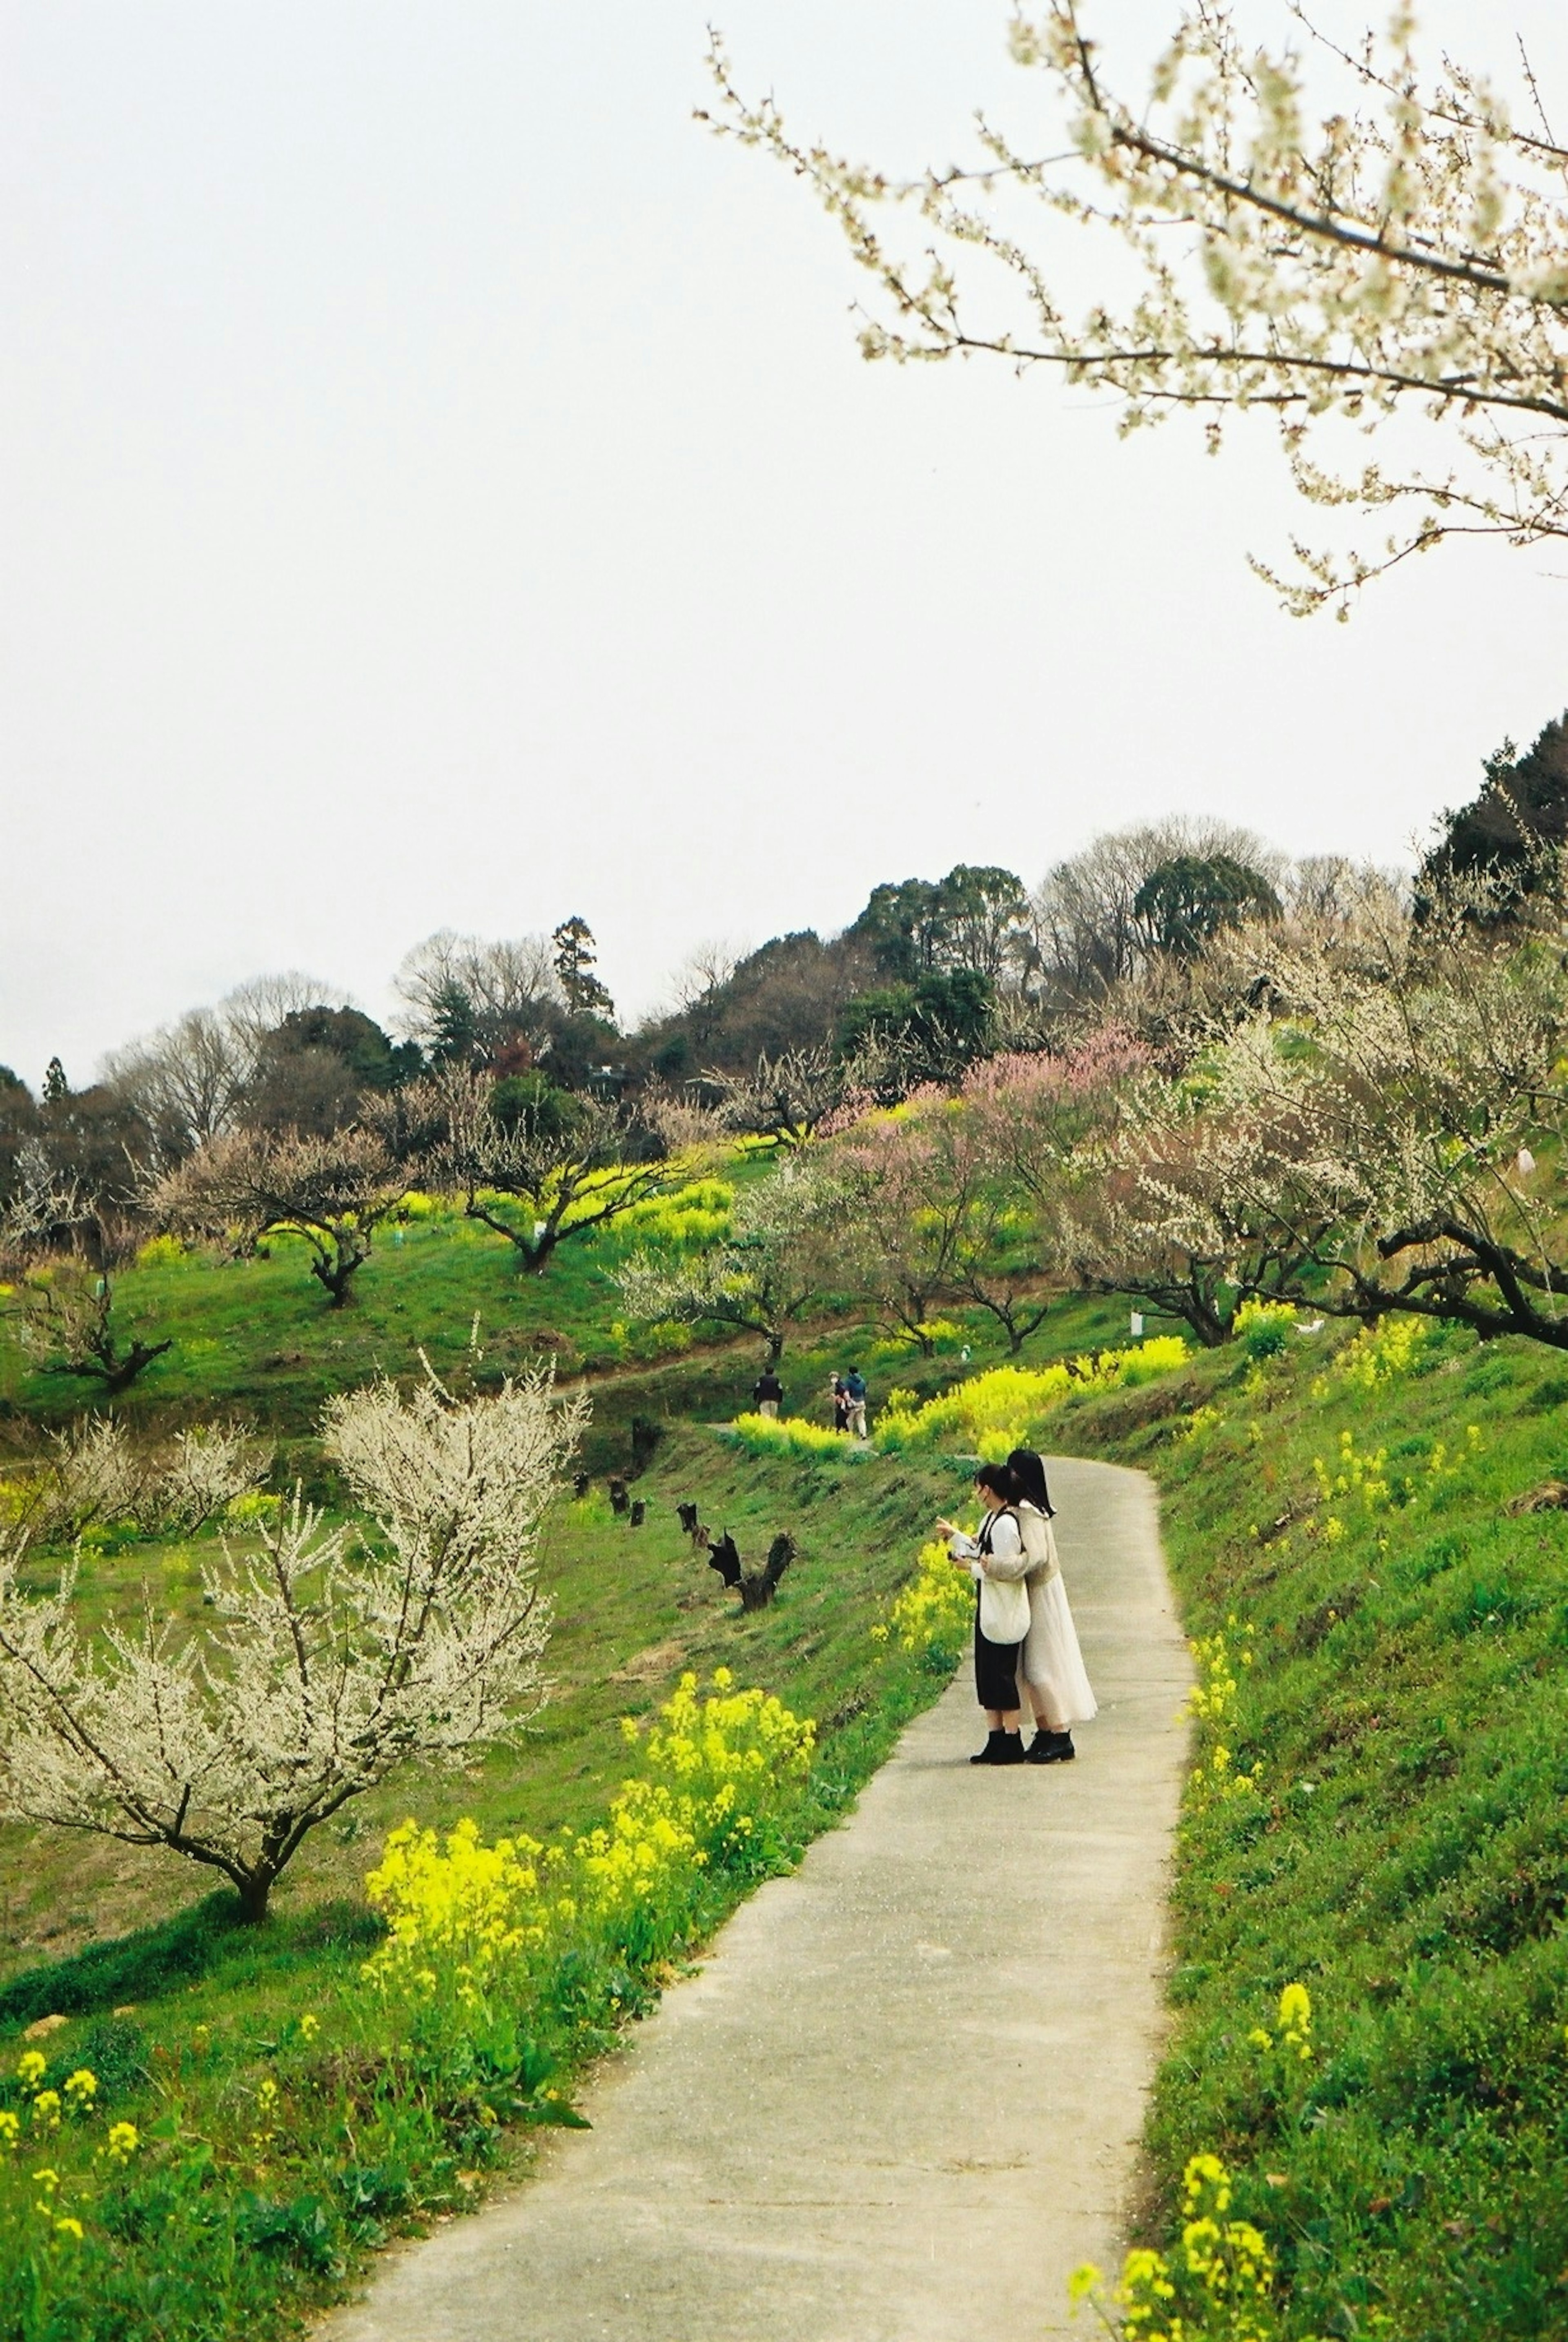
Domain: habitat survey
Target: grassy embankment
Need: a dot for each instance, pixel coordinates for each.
(1391, 1676)
(1398, 1648)
(256, 1337)
(269, 2154)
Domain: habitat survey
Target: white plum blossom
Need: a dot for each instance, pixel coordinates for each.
(1406, 252)
(336, 1653)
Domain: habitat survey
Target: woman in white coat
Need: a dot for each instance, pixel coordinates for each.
(995, 1558)
(1051, 1672)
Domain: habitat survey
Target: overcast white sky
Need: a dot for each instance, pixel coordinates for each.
(440, 488)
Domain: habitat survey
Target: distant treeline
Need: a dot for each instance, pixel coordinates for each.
(933, 975)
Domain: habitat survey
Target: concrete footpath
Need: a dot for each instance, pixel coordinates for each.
(901, 2101)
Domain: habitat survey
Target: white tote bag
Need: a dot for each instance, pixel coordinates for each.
(1004, 1609)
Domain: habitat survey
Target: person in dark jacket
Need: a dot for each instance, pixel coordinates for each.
(767, 1394)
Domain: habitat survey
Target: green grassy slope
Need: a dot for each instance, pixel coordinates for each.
(188, 2022)
(633, 1607)
(256, 1337)
(1398, 1645)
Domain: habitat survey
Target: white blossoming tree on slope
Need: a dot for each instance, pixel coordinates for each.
(338, 1652)
(776, 1261)
(1408, 251)
(1388, 1127)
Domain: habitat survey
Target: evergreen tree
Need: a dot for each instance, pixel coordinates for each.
(454, 1025)
(575, 956)
(974, 918)
(56, 1088)
(1187, 900)
(1521, 809)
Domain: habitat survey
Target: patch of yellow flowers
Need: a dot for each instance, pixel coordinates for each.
(721, 1764)
(459, 1913)
(74, 2101)
(1215, 1779)
(934, 1610)
(790, 1434)
(1382, 1353)
(1217, 2286)
(1004, 1407)
(1358, 1478)
(1295, 2037)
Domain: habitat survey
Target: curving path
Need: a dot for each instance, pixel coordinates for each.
(900, 2101)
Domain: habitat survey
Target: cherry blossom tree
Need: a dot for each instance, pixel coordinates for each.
(905, 1202)
(540, 1180)
(1198, 1209)
(1426, 1099)
(786, 1097)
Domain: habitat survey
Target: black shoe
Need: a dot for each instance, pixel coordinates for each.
(1051, 1748)
(1010, 1751)
(992, 1752)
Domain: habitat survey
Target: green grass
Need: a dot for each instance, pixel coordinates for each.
(259, 1336)
(1404, 1854)
(187, 2018)
(256, 1337)
(184, 2016)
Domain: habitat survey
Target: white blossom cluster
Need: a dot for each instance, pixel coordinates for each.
(775, 1263)
(1408, 250)
(336, 1653)
(95, 1472)
(1365, 1138)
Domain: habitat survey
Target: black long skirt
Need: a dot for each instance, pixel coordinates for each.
(995, 1669)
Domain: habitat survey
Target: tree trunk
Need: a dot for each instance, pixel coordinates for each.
(123, 1372)
(1211, 1330)
(535, 1252)
(334, 1277)
(537, 1255)
(254, 1890)
(333, 1269)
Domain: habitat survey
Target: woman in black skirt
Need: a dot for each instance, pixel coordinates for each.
(995, 1559)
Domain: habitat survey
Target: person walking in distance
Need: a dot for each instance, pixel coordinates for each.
(854, 1390)
(767, 1393)
(994, 1559)
(1051, 1672)
(838, 1391)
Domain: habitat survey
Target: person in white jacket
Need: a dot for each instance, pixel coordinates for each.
(994, 1559)
(1051, 1674)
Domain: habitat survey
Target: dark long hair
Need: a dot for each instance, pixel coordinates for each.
(1029, 1480)
(998, 1479)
